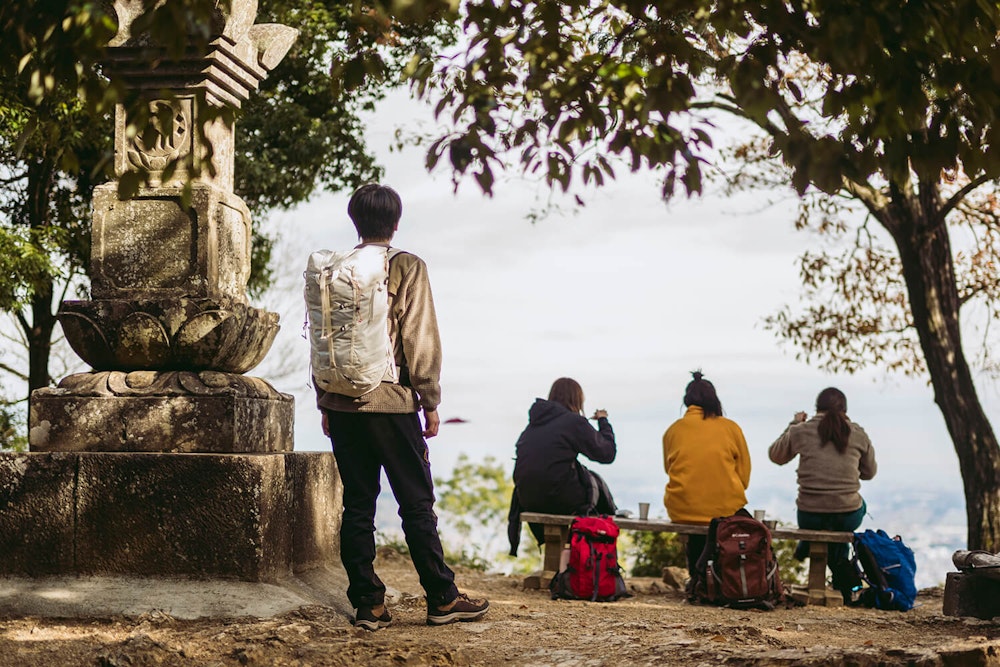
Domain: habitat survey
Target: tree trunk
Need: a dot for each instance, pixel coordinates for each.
(38, 207)
(925, 251)
(39, 336)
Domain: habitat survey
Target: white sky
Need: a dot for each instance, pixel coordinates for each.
(627, 295)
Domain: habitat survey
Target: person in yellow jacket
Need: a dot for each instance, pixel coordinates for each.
(707, 463)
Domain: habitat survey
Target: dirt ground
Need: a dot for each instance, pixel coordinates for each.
(524, 627)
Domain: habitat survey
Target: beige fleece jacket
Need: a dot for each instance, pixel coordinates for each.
(416, 342)
(829, 482)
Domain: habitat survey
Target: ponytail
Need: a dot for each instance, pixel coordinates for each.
(835, 427)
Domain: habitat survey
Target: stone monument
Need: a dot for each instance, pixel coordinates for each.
(167, 461)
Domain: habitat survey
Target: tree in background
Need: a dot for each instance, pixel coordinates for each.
(906, 98)
(887, 105)
(300, 133)
(474, 501)
(650, 552)
(52, 153)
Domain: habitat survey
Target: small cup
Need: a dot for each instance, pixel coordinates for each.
(759, 515)
(643, 511)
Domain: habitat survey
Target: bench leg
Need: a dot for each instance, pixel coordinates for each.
(817, 578)
(555, 539)
(817, 573)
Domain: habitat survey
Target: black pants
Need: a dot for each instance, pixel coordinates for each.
(363, 444)
(695, 545)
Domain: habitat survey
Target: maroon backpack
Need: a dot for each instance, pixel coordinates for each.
(592, 572)
(738, 567)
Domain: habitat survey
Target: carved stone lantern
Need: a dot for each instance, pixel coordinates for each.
(168, 330)
(166, 462)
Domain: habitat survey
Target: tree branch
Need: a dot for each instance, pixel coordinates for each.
(873, 200)
(7, 402)
(66, 284)
(729, 106)
(23, 321)
(961, 194)
(20, 375)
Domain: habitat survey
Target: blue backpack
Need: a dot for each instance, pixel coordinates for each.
(888, 567)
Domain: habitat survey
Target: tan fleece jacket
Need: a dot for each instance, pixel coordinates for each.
(417, 345)
(829, 482)
(708, 465)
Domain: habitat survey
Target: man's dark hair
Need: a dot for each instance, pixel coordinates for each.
(375, 211)
(701, 392)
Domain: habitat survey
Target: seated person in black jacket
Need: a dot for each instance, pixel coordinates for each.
(547, 476)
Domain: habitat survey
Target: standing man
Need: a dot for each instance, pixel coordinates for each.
(381, 429)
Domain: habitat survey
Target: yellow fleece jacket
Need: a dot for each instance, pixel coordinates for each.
(708, 465)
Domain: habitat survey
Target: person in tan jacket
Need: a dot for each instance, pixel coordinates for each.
(835, 454)
(707, 463)
(382, 430)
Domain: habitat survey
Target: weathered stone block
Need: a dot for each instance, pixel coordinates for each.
(37, 512)
(248, 517)
(183, 514)
(971, 595)
(161, 412)
(316, 509)
(153, 246)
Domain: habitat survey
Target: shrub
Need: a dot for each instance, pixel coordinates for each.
(791, 570)
(651, 552)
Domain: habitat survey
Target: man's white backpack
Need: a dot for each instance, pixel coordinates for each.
(347, 313)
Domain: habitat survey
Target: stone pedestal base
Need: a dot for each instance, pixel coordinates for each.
(247, 517)
(103, 597)
(971, 595)
(150, 411)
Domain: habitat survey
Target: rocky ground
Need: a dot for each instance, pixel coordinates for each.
(523, 627)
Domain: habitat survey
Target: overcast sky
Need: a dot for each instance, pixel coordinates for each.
(627, 295)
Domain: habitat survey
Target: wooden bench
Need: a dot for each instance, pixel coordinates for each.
(556, 527)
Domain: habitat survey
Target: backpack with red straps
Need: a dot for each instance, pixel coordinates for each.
(738, 567)
(592, 572)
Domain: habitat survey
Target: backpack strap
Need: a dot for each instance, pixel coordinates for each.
(595, 556)
(710, 540)
(390, 256)
(326, 276)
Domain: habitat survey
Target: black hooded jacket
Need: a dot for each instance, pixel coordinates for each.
(547, 476)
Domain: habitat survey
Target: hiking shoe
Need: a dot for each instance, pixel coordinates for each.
(464, 609)
(365, 618)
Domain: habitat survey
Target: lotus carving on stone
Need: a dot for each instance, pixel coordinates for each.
(175, 334)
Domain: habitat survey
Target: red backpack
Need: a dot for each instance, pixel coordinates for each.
(592, 572)
(738, 567)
